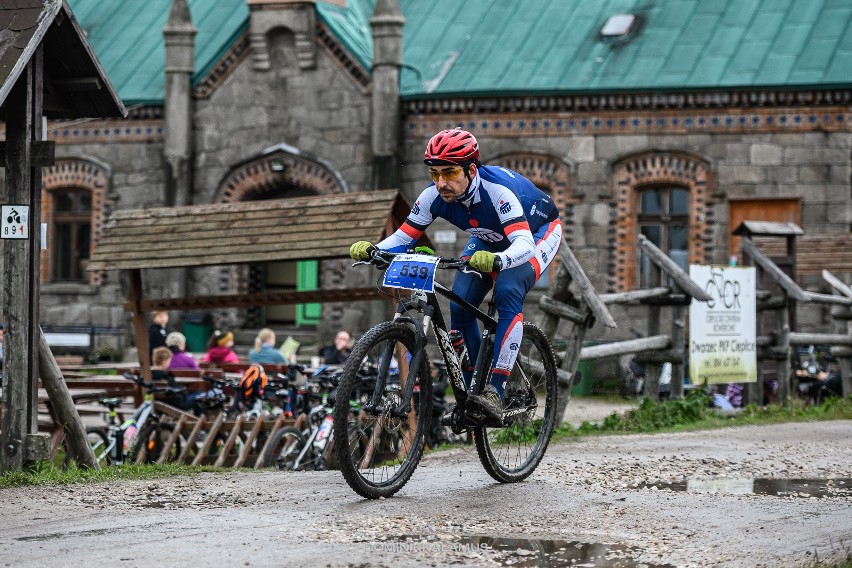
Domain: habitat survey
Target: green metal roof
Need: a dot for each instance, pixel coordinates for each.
(127, 36)
(548, 46)
(509, 47)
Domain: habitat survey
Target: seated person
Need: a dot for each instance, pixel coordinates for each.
(162, 359)
(219, 348)
(337, 354)
(264, 351)
(176, 342)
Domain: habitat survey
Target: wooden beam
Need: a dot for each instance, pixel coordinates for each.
(635, 295)
(837, 283)
(550, 306)
(139, 320)
(785, 282)
(624, 347)
(819, 339)
(256, 299)
(64, 407)
(669, 266)
(598, 308)
(818, 298)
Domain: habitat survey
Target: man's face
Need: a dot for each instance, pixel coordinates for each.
(341, 341)
(450, 181)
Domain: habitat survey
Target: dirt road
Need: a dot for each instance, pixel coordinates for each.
(596, 501)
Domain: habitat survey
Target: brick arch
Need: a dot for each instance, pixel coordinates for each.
(549, 173)
(83, 174)
(279, 166)
(275, 167)
(648, 169)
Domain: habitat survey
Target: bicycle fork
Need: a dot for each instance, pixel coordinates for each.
(417, 360)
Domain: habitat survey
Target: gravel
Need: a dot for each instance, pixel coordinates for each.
(593, 501)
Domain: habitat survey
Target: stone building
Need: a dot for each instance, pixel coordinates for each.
(676, 120)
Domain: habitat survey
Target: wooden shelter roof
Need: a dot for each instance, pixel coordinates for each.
(767, 228)
(298, 228)
(75, 84)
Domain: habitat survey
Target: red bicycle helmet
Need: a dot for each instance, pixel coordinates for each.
(455, 146)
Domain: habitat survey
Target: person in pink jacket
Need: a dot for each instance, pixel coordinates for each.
(219, 348)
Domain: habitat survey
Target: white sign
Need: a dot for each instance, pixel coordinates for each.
(722, 331)
(443, 237)
(15, 222)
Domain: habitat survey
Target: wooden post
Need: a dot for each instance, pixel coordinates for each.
(63, 406)
(21, 274)
(559, 290)
(139, 328)
(753, 392)
(576, 336)
(679, 346)
(783, 365)
(652, 370)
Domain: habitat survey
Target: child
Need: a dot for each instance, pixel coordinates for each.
(219, 348)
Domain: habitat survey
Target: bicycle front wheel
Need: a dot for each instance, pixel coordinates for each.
(379, 460)
(153, 438)
(512, 453)
(284, 448)
(100, 445)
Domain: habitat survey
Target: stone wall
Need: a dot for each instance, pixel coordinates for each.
(813, 166)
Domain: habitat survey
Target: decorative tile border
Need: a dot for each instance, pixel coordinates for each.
(105, 131)
(801, 119)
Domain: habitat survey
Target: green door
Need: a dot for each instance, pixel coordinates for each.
(307, 273)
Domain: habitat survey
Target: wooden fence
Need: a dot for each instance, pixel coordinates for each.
(654, 350)
(777, 344)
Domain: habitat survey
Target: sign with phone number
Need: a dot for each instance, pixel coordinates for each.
(412, 272)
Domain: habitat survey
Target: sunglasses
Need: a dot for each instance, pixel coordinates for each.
(451, 174)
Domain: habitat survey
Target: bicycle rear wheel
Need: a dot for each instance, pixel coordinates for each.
(512, 453)
(392, 446)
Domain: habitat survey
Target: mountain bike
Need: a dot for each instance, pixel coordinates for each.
(145, 429)
(396, 422)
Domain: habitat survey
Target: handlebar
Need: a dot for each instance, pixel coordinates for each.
(381, 259)
(151, 387)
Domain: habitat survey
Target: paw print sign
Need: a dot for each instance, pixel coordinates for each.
(15, 222)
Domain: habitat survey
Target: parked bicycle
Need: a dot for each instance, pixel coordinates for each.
(509, 450)
(118, 443)
(310, 447)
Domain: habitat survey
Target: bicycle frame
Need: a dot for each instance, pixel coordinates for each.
(427, 304)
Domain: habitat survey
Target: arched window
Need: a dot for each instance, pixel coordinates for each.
(73, 207)
(663, 218)
(72, 233)
(664, 196)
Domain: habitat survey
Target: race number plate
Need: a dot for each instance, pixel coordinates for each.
(412, 272)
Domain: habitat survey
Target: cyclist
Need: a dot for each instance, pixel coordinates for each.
(515, 233)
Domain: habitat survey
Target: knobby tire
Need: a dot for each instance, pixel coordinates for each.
(508, 454)
(393, 448)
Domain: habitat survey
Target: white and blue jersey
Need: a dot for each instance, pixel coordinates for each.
(508, 215)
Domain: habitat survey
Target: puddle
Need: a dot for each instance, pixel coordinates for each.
(840, 487)
(91, 532)
(523, 552)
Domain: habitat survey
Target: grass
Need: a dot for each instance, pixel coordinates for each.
(695, 413)
(45, 473)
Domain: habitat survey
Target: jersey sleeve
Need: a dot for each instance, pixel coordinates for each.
(516, 228)
(415, 224)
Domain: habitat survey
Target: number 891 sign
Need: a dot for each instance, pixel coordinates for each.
(412, 272)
